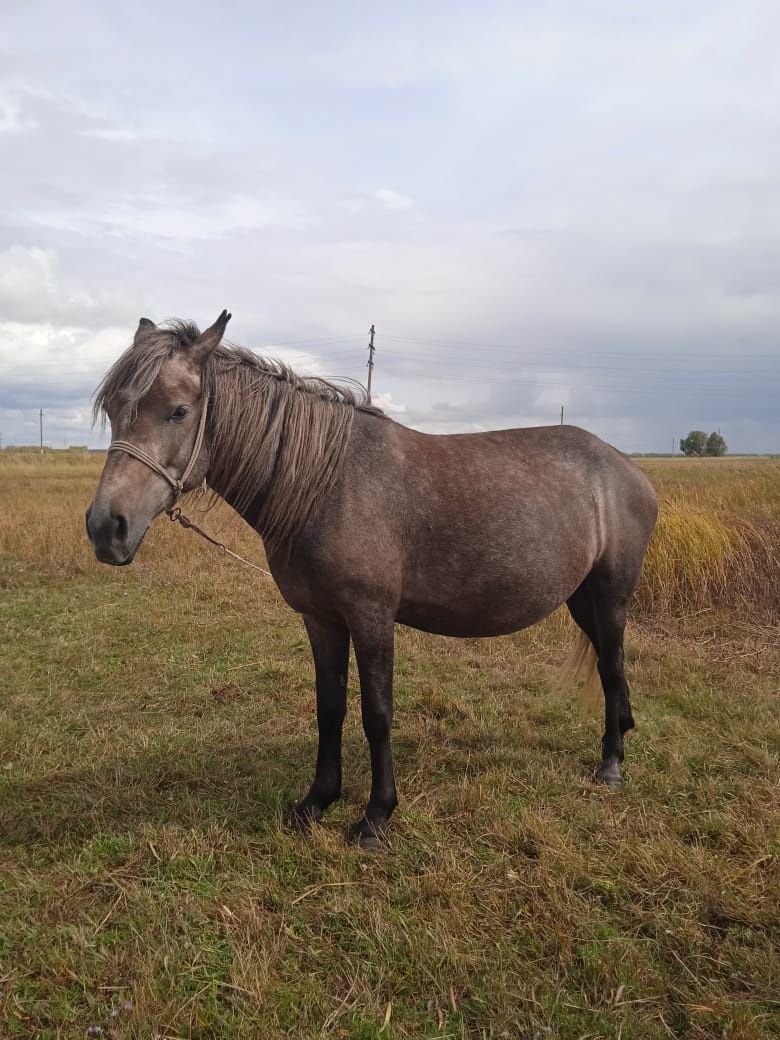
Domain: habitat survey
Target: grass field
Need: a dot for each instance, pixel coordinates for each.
(155, 721)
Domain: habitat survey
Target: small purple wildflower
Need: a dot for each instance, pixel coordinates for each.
(94, 1030)
(127, 1006)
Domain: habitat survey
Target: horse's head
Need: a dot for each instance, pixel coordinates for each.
(154, 400)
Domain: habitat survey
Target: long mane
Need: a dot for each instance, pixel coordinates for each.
(275, 436)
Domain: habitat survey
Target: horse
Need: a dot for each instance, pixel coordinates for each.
(367, 524)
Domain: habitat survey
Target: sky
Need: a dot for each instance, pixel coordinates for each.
(538, 204)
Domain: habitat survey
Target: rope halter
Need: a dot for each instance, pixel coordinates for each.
(177, 483)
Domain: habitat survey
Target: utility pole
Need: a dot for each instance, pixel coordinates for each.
(561, 415)
(370, 360)
(40, 416)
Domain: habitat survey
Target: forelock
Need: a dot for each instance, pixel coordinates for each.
(131, 377)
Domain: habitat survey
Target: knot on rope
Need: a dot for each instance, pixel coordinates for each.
(177, 516)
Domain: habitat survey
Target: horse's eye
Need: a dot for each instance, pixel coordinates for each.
(179, 413)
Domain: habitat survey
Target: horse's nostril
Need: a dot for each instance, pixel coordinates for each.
(121, 526)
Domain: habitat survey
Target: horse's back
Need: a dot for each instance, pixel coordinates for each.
(549, 485)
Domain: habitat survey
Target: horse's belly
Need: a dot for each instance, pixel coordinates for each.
(496, 570)
(445, 622)
(484, 612)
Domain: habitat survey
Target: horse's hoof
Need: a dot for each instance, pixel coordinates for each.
(608, 773)
(372, 843)
(301, 818)
(368, 838)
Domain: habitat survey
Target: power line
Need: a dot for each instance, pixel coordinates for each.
(578, 384)
(650, 362)
(551, 366)
(481, 346)
(304, 342)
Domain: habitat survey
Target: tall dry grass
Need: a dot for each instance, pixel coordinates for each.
(716, 542)
(718, 536)
(43, 500)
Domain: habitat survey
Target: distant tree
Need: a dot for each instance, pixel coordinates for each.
(694, 444)
(716, 445)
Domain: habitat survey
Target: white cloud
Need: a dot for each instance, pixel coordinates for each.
(387, 404)
(56, 360)
(54, 367)
(164, 218)
(12, 119)
(301, 361)
(33, 285)
(443, 427)
(394, 200)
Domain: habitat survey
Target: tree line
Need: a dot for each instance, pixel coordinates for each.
(698, 443)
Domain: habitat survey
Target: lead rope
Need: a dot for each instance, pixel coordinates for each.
(174, 513)
(178, 517)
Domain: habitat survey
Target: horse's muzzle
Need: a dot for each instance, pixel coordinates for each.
(108, 533)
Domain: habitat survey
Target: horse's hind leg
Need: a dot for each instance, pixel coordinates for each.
(611, 620)
(580, 605)
(599, 607)
(581, 608)
(330, 647)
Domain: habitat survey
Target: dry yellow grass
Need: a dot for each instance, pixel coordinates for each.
(702, 556)
(43, 500)
(717, 538)
(716, 543)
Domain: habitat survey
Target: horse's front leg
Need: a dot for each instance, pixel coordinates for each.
(330, 647)
(373, 637)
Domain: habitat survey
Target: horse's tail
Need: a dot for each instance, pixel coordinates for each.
(579, 667)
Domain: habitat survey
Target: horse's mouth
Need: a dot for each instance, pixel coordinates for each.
(112, 560)
(111, 556)
(118, 563)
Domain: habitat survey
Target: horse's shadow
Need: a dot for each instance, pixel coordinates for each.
(239, 786)
(243, 786)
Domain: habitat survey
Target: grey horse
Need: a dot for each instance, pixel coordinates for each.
(368, 524)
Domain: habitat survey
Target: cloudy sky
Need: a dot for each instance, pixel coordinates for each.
(537, 203)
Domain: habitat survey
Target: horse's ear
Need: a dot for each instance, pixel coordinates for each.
(144, 325)
(210, 339)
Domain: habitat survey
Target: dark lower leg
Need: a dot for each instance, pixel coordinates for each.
(610, 671)
(626, 718)
(330, 647)
(377, 722)
(611, 618)
(374, 652)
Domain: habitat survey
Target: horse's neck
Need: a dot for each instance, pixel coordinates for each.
(251, 512)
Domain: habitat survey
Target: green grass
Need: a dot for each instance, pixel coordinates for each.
(148, 887)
